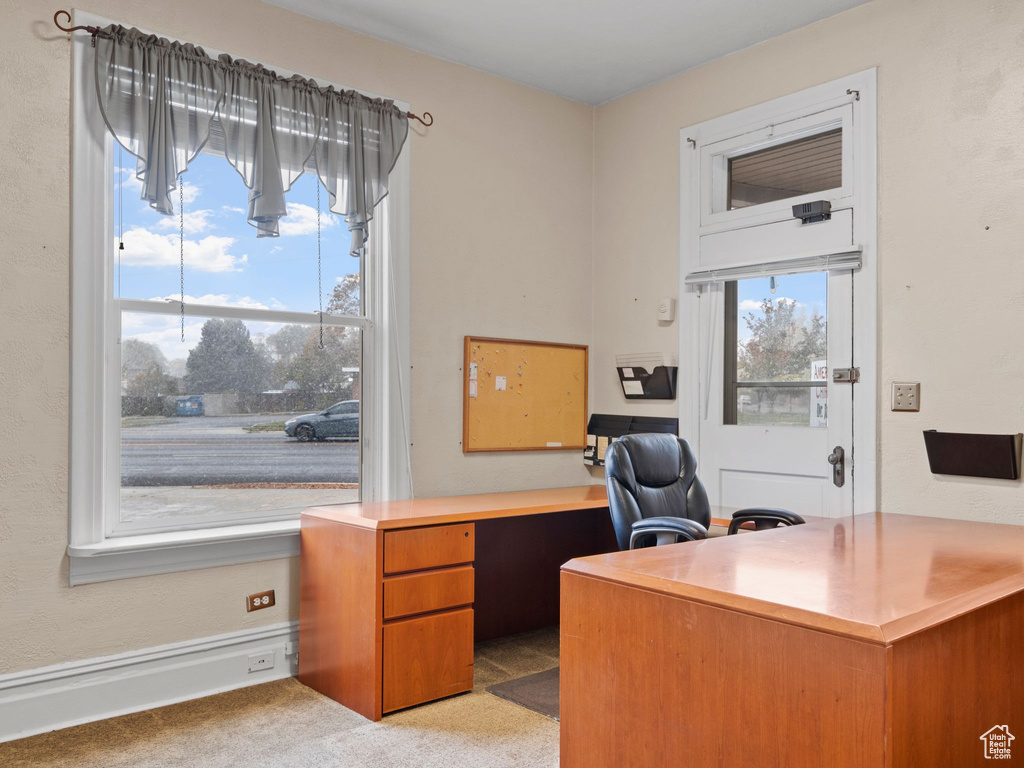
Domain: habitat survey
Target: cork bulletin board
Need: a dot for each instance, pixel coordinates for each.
(523, 396)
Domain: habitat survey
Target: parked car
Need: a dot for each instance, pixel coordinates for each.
(340, 420)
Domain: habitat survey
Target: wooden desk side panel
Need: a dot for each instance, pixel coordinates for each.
(340, 613)
(649, 680)
(954, 682)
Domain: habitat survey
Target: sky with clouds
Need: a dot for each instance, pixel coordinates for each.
(808, 291)
(225, 263)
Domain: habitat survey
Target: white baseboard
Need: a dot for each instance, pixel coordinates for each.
(50, 698)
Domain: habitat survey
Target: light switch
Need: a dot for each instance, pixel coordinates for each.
(906, 396)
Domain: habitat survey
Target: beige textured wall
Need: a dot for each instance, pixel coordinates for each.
(532, 218)
(951, 181)
(501, 236)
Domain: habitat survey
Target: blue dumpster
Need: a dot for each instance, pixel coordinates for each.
(190, 406)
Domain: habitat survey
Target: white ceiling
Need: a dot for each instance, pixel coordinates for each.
(588, 50)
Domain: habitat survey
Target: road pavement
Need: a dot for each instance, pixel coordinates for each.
(216, 450)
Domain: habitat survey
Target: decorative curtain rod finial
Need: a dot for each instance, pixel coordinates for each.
(81, 27)
(427, 115)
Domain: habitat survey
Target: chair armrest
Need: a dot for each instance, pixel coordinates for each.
(668, 530)
(763, 518)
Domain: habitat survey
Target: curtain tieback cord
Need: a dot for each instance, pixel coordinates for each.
(427, 119)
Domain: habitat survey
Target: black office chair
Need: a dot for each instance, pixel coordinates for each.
(655, 496)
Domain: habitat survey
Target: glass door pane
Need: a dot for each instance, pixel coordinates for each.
(775, 351)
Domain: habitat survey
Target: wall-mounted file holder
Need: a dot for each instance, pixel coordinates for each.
(659, 384)
(955, 453)
(603, 428)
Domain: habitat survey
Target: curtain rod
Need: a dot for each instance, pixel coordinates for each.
(95, 30)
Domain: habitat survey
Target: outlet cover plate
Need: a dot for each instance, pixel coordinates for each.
(906, 396)
(261, 661)
(259, 600)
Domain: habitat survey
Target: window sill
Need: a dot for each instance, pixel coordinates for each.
(144, 555)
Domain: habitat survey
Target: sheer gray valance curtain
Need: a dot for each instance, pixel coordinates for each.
(166, 101)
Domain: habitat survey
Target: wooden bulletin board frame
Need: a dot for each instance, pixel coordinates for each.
(543, 401)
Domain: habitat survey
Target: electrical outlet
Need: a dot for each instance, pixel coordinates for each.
(906, 396)
(259, 600)
(261, 661)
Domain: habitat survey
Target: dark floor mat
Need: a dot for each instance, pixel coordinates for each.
(538, 692)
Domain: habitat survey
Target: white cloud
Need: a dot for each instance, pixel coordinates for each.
(216, 299)
(234, 208)
(750, 305)
(149, 249)
(301, 220)
(189, 190)
(129, 181)
(196, 222)
(165, 330)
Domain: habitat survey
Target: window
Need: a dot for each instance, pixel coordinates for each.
(204, 450)
(219, 426)
(754, 176)
(811, 164)
(775, 351)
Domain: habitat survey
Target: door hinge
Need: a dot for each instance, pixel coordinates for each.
(847, 375)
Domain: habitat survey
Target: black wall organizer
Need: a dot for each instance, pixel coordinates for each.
(610, 426)
(659, 384)
(956, 453)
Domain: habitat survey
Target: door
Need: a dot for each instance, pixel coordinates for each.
(772, 415)
(777, 250)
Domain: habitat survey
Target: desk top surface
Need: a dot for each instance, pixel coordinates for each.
(875, 577)
(386, 515)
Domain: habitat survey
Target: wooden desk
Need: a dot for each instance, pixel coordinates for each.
(393, 595)
(882, 640)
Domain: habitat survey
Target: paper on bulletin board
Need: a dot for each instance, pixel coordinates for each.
(633, 387)
(472, 387)
(499, 383)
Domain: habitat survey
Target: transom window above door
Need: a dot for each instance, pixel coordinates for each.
(755, 176)
(799, 167)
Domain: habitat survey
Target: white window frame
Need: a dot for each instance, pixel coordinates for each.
(99, 550)
(853, 100)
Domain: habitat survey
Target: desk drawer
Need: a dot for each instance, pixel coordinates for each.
(415, 549)
(428, 591)
(427, 658)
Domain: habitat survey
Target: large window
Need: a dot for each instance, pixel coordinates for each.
(198, 436)
(232, 412)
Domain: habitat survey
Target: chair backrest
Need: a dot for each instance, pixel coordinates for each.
(652, 475)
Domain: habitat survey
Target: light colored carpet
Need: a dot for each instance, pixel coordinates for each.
(286, 725)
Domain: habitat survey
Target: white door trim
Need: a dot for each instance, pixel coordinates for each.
(861, 90)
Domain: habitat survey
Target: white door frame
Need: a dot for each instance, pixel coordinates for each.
(860, 91)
